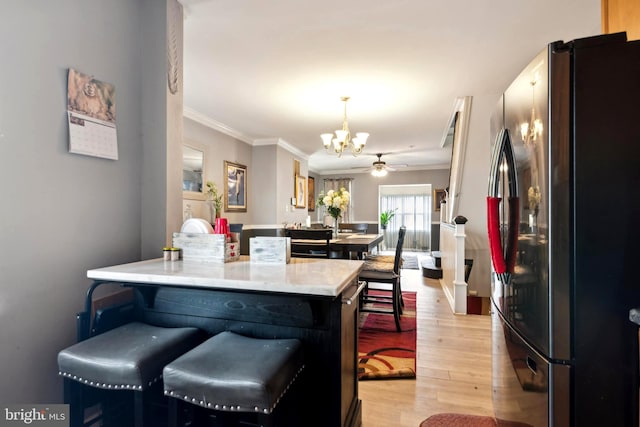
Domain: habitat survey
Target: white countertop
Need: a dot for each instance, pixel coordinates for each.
(309, 276)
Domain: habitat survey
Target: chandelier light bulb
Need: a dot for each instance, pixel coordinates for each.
(341, 135)
(327, 139)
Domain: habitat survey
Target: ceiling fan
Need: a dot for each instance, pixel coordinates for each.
(380, 168)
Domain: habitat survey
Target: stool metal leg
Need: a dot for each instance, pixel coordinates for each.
(138, 408)
(73, 397)
(173, 412)
(265, 421)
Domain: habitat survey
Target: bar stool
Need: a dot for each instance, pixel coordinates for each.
(129, 358)
(241, 379)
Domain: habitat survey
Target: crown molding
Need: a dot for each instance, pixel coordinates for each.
(227, 130)
(284, 144)
(215, 125)
(365, 170)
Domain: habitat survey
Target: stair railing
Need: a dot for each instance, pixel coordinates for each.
(452, 251)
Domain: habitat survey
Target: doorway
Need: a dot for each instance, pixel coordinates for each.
(411, 205)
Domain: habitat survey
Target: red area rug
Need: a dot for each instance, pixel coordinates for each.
(384, 353)
(463, 420)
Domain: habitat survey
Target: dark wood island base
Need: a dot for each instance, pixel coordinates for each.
(327, 325)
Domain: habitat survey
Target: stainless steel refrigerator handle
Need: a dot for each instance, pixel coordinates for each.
(503, 255)
(496, 158)
(511, 163)
(502, 148)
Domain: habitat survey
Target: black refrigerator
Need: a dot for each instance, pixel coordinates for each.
(563, 207)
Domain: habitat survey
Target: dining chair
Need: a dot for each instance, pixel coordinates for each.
(307, 243)
(358, 228)
(235, 228)
(355, 228)
(377, 299)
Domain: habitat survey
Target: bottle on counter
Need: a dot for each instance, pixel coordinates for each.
(188, 214)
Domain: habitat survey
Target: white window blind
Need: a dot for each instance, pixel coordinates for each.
(413, 210)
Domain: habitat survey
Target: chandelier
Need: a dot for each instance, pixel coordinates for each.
(530, 131)
(342, 139)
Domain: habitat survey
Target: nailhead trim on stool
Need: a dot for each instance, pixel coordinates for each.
(109, 386)
(221, 407)
(231, 372)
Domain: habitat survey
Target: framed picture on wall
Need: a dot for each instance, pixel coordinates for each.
(235, 187)
(301, 191)
(311, 189)
(438, 196)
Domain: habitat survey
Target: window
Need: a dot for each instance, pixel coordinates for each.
(412, 205)
(336, 184)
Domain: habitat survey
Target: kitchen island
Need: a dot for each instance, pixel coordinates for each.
(314, 300)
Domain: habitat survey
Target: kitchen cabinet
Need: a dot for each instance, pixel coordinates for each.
(621, 15)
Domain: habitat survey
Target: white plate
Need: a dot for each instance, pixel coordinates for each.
(196, 225)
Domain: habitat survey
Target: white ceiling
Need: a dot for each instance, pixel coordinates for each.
(275, 70)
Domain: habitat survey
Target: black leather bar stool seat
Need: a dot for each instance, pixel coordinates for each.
(129, 357)
(234, 373)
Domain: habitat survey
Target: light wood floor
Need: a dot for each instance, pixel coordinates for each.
(453, 365)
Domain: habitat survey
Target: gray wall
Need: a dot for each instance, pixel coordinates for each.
(64, 213)
(473, 193)
(263, 184)
(217, 148)
(285, 212)
(270, 176)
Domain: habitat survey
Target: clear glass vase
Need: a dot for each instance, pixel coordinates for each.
(212, 211)
(335, 228)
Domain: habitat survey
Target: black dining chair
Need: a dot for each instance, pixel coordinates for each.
(358, 228)
(307, 243)
(235, 228)
(376, 299)
(355, 228)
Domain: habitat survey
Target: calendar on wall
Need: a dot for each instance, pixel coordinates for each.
(91, 110)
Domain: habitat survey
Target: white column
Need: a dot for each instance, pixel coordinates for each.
(443, 211)
(459, 285)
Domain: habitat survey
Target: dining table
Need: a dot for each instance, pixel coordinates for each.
(347, 243)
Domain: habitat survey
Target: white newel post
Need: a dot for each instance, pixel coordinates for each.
(443, 211)
(459, 284)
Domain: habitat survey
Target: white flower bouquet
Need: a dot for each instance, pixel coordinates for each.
(335, 201)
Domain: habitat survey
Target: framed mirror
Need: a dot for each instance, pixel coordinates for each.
(460, 125)
(192, 173)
